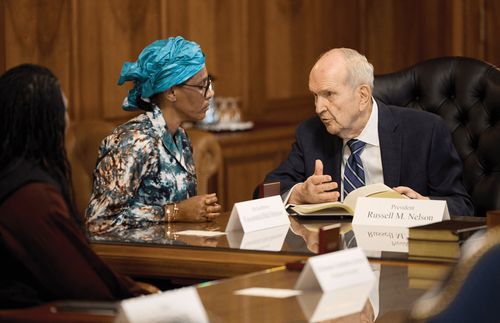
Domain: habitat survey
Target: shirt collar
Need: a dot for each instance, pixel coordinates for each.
(178, 145)
(369, 134)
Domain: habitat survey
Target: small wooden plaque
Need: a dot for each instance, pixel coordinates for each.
(269, 189)
(329, 238)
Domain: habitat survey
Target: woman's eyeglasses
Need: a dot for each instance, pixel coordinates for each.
(204, 88)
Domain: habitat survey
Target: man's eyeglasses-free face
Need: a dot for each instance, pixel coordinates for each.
(204, 88)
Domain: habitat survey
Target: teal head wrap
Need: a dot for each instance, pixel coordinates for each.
(161, 65)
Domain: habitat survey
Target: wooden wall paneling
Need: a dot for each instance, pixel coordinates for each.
(457, 27)
(195, 21)
(202, 28)
(491, 29)
(246, 159)
(284, 45)
(89, 102)
(340, 25)
(39, 33)
(218, 27)
(402, 33)
(436, 29)
(178, 19)
(255, 63)
(278, 18)
(230, 51)
(74, 106)
(378, 34)
(244, 174)
(288, 58)
(126, 27)
(2, 36)
(473, 25)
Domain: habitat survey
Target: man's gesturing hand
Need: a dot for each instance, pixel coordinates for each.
(316, 189)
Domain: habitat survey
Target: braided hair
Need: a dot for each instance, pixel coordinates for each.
(32, 126)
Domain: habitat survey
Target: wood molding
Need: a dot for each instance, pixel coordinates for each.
(204, 263)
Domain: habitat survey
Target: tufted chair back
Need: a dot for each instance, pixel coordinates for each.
(465, 92)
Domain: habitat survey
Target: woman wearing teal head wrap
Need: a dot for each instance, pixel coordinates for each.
(145, 171)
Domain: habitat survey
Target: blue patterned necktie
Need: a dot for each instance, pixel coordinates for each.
(354, 173)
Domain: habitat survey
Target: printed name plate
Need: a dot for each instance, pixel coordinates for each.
(258, 214)
(399, 212)
(336, 271)
(181, 305)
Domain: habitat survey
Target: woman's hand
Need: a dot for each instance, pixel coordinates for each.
(200, 208)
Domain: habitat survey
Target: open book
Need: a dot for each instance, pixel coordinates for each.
(349, 205)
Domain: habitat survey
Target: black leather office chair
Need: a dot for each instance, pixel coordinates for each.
(465, 92)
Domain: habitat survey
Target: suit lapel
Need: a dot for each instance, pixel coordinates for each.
(333, 157)
(390, 145)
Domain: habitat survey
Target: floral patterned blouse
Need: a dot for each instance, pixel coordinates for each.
(140, 168)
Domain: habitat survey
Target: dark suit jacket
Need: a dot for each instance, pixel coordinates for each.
(416, 149)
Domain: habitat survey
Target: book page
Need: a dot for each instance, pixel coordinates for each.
(367, 191)
(349, 205)
(328, 208)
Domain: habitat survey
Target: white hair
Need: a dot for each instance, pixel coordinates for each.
(359, 70)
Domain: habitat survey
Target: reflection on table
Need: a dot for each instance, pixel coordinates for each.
(301, 237)
(222, 305)
(160, 251)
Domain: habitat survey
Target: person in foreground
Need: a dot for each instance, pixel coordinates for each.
(406, 149)
(45, 255)
(471, 291)
(145, 172)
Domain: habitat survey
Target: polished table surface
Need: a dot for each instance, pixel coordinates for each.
(396, 294)
(160, 252)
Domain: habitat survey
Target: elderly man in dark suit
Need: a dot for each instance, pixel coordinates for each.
(356, 140)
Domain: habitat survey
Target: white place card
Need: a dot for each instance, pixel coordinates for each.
(399, 212)
(268, 292)
(201, 233)
(334, 271)
(318, 306)
(258, 214)
(271, 239)
(377, 238)
(180, 305)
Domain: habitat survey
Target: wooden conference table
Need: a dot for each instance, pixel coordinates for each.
(395, 295)
(161, 252)
(250, 260)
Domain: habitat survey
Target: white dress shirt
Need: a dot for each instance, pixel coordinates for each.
(370, 156)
